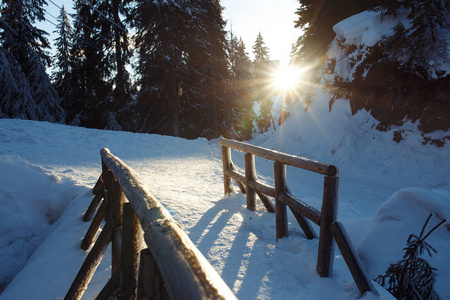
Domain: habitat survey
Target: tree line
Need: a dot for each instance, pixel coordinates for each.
(166, 67)
(170, 67)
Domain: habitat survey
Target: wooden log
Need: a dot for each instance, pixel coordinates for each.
(304, 224)
(238, 177)
(188, 273)
(107, 176)
(250, 174)
(352, 259)
(91, 263)
(95, 225)
(112, 287)
(266, 201)
(239, 183)
(328, 216)
(281, 221)
(301, 207)
(291, 160)
(93, 206)
(226, 160)
(116, 208)
(263, 188)
(98, 186)
(181, 264)
(129, 262)
(150, 284)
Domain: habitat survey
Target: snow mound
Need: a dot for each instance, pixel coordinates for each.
(31, 202)
(402, 214)
(365, 28)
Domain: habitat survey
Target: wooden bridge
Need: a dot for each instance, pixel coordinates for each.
(153, 258)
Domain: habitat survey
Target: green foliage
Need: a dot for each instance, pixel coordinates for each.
(412, 277)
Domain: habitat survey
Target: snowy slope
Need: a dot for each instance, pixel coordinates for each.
(59, 164)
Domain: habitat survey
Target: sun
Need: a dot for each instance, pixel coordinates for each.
(287, 78)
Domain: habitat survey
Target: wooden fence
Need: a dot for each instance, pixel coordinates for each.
(170, 266)
(326, 218)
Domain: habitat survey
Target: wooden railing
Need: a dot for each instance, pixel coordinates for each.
(170, 268)
(249, 184)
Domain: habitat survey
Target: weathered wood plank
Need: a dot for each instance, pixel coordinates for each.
(238, 177)
(111, 288)
(299, 206)
(250, 175)
(95, 225)
(266, 201)
(328, 216)
(291, 160)
(352, 259)
(98, 186)
(186, 272)
(226, 160)
(240, 184)
(262, 187)
(281, 221)
(91, 263)
(304, 224)
(93, 206)
(116, 209)
(150, 285)
(129, 263)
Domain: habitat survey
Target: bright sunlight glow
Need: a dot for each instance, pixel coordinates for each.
(287, 78)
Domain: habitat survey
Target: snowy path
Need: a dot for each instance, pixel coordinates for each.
(186, 176)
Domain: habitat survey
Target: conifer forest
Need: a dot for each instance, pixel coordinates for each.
(170, 67)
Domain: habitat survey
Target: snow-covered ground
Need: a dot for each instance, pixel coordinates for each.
(47, 171)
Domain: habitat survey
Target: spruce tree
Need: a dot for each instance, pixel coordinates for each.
(316, 19)
(182, 67)
(261, 81)
(63, 43)
(208, 110)
(90, 99)
(27, 46)
(414, 47)
(160, 37)
(241, 86)
(16, 100)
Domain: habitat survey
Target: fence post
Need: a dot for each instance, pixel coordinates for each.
(328, 216)
(281, 221)
(227, 181)
(116, 209)
(250, 174)
(130, 252)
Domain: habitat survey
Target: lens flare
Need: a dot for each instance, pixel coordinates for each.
(287, 78)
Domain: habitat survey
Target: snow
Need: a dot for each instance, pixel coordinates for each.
(407, 210)
(49, 169)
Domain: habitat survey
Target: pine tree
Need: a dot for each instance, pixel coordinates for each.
(160, 37)
(63, 43)
(90, 99)
(27, 45)
(16, 100)
(415, 47)
(261, 81)
(241, 85)
(316, 19)
(182, 67)
(208, 111)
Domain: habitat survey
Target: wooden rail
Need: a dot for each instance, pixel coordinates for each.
(171, 267)
(326, 218)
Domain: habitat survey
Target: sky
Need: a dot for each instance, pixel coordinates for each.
(273, 18)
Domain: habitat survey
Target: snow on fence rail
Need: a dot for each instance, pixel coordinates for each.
(326, 218)
(170, 268)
